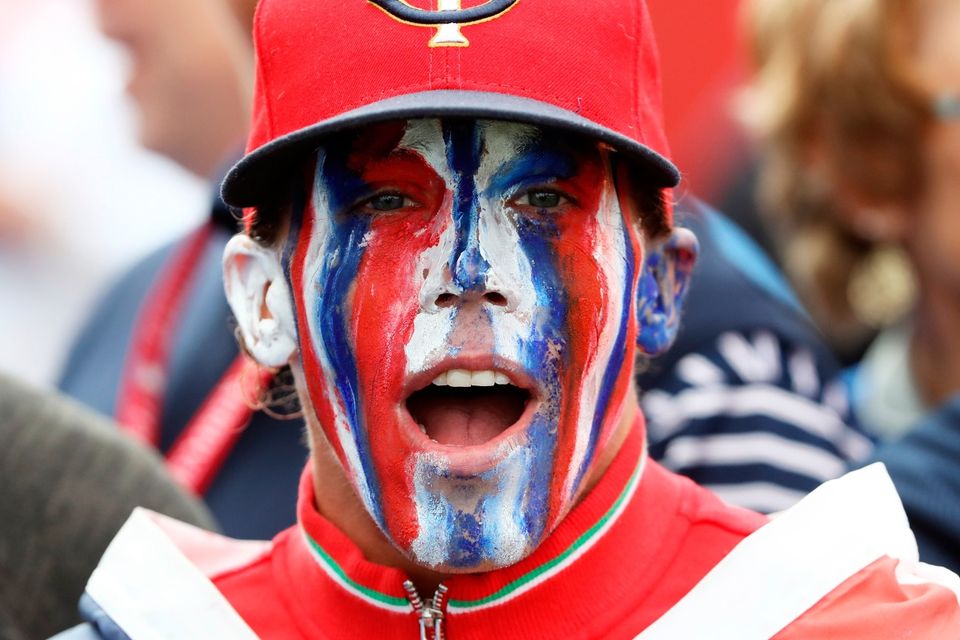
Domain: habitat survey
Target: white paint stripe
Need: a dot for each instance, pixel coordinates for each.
(511, 274)
(510, 271)
(776, 574)
(151, 590)
(425, 137)
(346, 586)
(577, 553)
(431, 546)
(757, 447)
(672, 412)
(432, 326)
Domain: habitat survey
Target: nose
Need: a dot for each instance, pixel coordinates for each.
(448, 299)
(469, 278)
(473, 279)
(479, 266)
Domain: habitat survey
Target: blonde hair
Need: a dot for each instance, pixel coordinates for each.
(835, 103)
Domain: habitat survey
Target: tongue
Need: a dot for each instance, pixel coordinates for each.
(465, 419)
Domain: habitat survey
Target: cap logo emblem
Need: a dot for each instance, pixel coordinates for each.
(447, 19)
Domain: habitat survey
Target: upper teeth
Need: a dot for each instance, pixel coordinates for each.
(464, 378)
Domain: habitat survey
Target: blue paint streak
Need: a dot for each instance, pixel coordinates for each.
(653, 333)
(341, 261)
(541, 163)
(543, 441)
(463, 145)
(536, 164)
(469, 548)
(536, 237)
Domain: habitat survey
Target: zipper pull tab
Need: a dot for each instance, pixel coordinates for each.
(430, 614)
(439, 608)
(418, 609)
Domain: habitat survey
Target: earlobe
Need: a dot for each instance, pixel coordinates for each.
(258, 295)
(662, 290)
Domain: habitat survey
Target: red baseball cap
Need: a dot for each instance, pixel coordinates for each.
(589, 67)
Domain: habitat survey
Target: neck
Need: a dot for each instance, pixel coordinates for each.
(338, 503)
(935, 344)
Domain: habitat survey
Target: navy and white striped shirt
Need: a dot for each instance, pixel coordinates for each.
(747, 402)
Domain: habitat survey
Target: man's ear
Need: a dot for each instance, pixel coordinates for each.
(663, 288)
(257, 292)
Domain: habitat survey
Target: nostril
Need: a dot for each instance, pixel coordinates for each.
(446, 300)
(495, 298)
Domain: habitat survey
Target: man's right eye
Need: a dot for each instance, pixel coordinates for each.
(388, 202)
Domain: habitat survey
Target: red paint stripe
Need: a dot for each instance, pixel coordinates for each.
(385, 304)
(586, 315)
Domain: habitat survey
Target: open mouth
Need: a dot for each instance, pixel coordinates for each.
(465, 408)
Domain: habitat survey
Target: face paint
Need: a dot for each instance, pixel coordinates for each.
(464, 295)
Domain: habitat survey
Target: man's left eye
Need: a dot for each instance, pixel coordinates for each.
(542, 198)
(388, 202)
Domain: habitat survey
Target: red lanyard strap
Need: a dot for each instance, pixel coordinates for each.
(144, 383)
(204, 444)
(203, 447)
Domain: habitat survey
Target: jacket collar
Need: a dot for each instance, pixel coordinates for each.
(623, 526)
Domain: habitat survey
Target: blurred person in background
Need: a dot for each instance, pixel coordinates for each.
(190, 75)
(66, 154)
(158, 353)
(748, 402)
(858, 105)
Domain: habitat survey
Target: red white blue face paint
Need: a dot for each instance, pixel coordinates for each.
(464, 294)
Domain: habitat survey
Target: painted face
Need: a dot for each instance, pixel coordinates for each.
(463, 293)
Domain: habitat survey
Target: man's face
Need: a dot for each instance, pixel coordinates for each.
(464, 295)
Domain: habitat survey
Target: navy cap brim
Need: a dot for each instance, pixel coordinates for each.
(255, 178)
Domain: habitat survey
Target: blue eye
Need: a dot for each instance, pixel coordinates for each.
(388, 202)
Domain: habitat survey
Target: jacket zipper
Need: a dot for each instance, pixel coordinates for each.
(429, 614)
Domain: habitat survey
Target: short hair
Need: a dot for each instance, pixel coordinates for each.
(836, 104)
